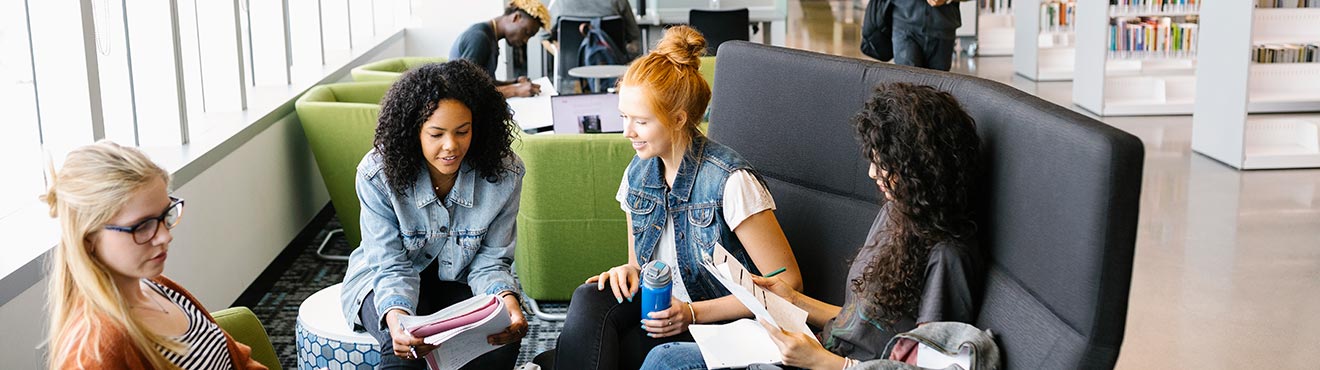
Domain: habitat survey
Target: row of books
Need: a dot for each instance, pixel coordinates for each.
(1285, 53)
(1152, 34)
(1057, 15)
(1154, 3)
(1288, 3)
(1154, 6)
(996, 6)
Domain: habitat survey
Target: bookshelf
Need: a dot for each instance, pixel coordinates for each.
(1045, 50)
(1136, 57)
(994, 27)
(1258, 104)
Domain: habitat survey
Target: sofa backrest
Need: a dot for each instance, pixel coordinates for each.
(1058, 206)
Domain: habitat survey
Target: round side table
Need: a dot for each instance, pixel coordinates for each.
(596, 73)
(325, 341)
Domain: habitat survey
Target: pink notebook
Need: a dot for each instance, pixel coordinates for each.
(456, 321)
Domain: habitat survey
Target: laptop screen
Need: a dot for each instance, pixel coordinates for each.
(586, 113)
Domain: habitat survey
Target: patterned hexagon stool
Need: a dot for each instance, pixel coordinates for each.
(324, 339)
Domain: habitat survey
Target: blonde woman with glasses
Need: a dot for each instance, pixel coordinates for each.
(110, 306)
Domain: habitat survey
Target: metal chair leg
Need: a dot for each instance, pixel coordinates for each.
(536, 310)
(320, 251)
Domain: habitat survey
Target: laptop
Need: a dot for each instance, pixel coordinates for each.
(586, 113)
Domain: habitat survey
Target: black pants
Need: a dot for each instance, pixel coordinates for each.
(601, 333)
(435, 295)
(920, 50)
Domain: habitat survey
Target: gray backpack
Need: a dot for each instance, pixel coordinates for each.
(949, 338)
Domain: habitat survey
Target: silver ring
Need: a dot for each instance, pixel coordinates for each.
(669, 322)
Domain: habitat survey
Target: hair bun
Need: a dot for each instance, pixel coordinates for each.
(682, 45)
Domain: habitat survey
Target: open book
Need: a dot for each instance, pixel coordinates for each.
(745, 342)
(460, 330)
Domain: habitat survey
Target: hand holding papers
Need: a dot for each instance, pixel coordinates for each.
(764, 304)
(745, 342)
(459, 330)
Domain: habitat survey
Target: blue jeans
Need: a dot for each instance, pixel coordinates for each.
(675, 356)
(686, 356)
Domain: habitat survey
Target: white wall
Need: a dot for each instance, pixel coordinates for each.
(242, 211)
(435, 24)
(23, 320)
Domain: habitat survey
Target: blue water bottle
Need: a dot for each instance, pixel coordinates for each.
(656, 288)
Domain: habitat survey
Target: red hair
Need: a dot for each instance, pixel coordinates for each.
(670, 75)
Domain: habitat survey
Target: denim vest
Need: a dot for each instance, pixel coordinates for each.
(696, 203)
(470, 233)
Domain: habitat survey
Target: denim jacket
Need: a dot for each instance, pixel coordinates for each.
(696, 203)
(403, 233)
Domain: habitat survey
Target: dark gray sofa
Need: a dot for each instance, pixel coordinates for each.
(1058, 210)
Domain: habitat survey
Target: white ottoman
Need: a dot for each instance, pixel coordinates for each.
(324, 339)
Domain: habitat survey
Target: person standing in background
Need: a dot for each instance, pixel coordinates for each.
(601, 8)
(924, 32)
(522, 19)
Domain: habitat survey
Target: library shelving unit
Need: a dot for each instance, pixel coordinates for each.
(1115, 75)
(994, 27)
(1231, 84)
(1044, 50)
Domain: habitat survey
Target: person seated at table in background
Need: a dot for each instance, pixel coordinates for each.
(682, 194)
(439, 193)
(917, 264)
(110, 306)
(522, 19)
(600, 8)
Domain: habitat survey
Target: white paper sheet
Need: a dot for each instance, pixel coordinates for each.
(764, 304)
(735, 345)
(534, 112)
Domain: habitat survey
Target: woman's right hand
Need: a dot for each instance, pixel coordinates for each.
(778, 287)
(404, 344)
(623, 279)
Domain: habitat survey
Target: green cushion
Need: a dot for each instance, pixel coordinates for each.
(340, 123)
(244, 326)
(390, 69)
(707, 71)
(569, 225)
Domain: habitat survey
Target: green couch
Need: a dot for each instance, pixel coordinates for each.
(340, 123)
(244, 326)
(390, 69)
(569, 225)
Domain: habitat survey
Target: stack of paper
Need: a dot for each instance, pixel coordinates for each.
(460, 330)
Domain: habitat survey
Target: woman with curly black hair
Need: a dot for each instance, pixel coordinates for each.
(917, 265)
(439, 194)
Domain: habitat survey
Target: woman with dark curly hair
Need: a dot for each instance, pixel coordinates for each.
(439, 194)
(917, 265)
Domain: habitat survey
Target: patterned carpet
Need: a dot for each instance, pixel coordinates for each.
(290, 282)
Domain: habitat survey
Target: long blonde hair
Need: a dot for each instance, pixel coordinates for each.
(671, 75)
(84, 304)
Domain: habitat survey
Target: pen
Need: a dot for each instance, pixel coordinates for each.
(776, 272)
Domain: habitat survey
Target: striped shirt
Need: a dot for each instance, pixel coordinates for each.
(207, 348)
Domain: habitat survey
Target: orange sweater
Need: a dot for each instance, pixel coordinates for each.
(117, 351)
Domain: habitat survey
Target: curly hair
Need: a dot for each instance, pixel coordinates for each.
(412, 100)
(928, 149)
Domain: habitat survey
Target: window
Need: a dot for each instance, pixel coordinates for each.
(20, 140)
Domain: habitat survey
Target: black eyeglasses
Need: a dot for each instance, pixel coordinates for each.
(146, 230)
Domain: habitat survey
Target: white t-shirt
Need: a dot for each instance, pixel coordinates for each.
(743, 197)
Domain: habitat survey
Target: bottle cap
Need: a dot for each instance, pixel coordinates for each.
(656, 274)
